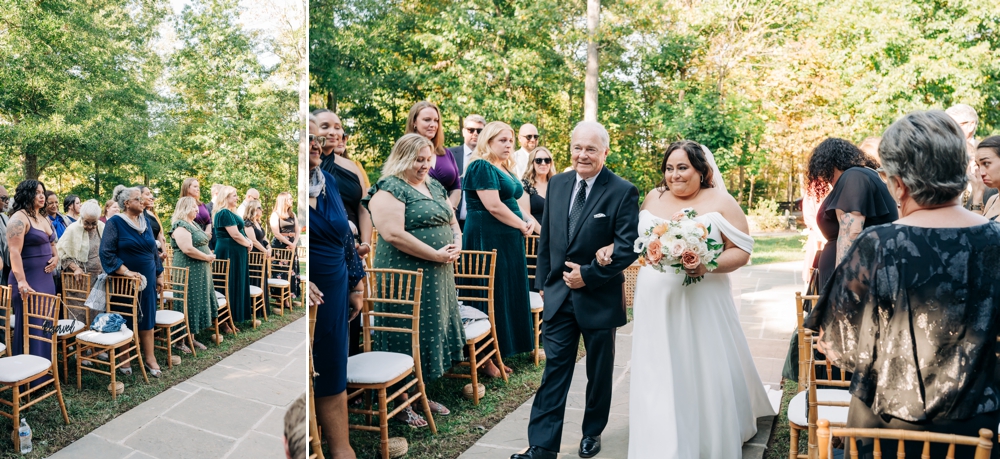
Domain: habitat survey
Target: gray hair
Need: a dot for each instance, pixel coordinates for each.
(926, 150)
(474, 119)
(963, 112)
(601, 132)
(91, 208)
(122, 193)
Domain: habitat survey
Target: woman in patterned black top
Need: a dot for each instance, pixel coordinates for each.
(913, 308)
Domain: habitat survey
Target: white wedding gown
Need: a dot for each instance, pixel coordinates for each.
(695, 392)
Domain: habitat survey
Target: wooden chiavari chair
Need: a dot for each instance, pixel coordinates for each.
(172, 319)
(315, 435)
(76, 317)
(280, 288)
(123, 299)
(5, 313)
(376, 371)
(41, 313)
(257, 269)
(535, 299)
(474, 279)
(983, 443)
(220, 280)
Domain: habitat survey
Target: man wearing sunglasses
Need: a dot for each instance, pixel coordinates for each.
(4, 251)
(472, 125)
(528, 138)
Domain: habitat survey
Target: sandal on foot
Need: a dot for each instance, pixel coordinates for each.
(154, 372)
(127, 371)
(437, 408)
(411, 418)
(183, 348)
(199, 346)
(487, 373)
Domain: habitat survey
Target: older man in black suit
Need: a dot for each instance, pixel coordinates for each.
(472, 125)
(585, 210)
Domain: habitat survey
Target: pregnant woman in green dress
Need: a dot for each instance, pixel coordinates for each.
(417, 229)
(497, 206)
(190, 245)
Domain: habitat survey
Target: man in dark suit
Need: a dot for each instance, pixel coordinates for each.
(472, 125)
(586, 209)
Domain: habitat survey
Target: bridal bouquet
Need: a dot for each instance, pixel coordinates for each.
(680, 243)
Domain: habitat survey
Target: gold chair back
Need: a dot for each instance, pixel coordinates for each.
(5, 319)
(74, 295)
(123, 298)
(983, 443)
(44, 308)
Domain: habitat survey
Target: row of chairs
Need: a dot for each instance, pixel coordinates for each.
(821, 405)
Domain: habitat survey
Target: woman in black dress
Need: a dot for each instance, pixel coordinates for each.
(285, 228)
(858, 200)
(148, 201)
(913, 309)
(536, 181)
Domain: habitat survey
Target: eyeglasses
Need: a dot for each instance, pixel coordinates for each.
(532, 136)
(474, 130)
(543, 160)
(321, 141)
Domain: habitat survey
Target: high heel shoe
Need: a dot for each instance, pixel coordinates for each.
(153, 373)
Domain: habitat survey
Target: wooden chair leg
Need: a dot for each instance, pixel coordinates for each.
(190, 337)
(474, 367)
(170, 350)
(62, 403)
(427, 407)
(383, 423)
(79, 370)
(112, 359)
(17, 415)
(496, 349)
(793, 442)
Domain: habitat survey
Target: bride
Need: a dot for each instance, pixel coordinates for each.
(695, 392)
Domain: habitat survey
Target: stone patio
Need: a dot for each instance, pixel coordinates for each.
(766, 301)
(234, 409)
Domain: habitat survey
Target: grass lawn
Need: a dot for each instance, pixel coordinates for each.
(458, 431)
(92, 407)
(778, 447)
(776, 249)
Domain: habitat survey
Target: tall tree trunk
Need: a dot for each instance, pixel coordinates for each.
(590, 85)
(97, 177)
(331, 101)
(30, 166)
(742, 184)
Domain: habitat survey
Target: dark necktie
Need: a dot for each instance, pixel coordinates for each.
(577, 211)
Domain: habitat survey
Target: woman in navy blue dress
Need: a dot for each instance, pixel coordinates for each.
(128, 249)
(334, 267)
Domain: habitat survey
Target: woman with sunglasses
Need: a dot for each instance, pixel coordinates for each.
(536, 181)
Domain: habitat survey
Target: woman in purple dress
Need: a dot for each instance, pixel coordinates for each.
(190, 187)
(425, 119)
(32, 241)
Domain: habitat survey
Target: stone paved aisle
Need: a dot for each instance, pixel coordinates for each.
(234, 409)
(766, 301)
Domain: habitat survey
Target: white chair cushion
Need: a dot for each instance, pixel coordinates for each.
(835, 414)
(537, 304)
(304, 278)
(69, 326)
(106, 339)
(377, 367)
(476, 328)
(21, 367)
(219, 294)
(168, 317)
(168, 294)
(255, 290)
(3, 347)
(277, 282)
(222, 302)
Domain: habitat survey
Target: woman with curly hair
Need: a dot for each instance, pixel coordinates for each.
(858, 198)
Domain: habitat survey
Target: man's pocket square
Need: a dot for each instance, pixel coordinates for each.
(599, 215)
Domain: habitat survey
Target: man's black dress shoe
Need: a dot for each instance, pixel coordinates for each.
(535, 452)
(590, 446)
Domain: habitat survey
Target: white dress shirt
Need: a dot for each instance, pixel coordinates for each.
(520, 163)
(465, 166)
(576, 188)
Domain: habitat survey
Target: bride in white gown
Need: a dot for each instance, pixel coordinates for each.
(695, 392)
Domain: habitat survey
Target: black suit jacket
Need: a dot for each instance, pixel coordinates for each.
(611, 214)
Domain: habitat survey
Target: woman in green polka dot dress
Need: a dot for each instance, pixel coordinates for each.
(417, 229)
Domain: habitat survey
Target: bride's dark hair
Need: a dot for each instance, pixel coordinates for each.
(698, 161)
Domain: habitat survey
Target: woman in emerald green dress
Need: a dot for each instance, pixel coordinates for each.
(190, 245)
(417, 229)
(498, 218)
(232, 244)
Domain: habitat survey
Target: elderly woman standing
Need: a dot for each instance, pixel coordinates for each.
(32, 243)
(80, 247)
(232, 244)
(418, 230)
(190, 245)
(913, 310)
(128, 248)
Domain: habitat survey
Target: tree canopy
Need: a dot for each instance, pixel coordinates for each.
(102, 92)
(760, 82)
